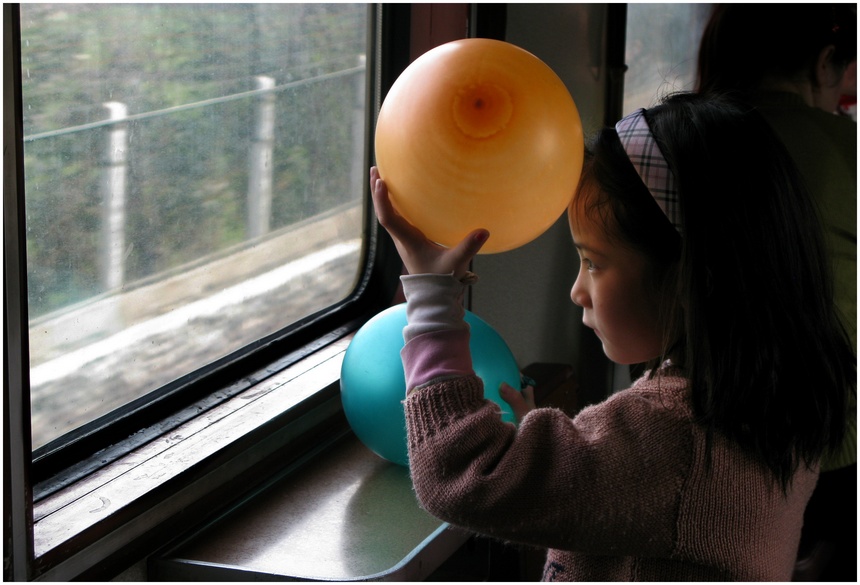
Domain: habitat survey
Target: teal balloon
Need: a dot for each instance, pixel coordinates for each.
(373, 384)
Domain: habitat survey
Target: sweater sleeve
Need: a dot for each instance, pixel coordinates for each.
(607, 481)
(436, 335)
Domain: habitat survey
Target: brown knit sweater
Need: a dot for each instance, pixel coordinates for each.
(624, 491)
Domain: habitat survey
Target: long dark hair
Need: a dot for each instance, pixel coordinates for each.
(749, 312)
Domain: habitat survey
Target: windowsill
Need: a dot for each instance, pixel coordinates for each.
(221, 451)
(176, 484)
(349, 515)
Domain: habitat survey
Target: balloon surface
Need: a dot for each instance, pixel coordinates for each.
(479, 133)
(373, 383)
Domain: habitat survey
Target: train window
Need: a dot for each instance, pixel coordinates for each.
(661, 50)
(193, 184)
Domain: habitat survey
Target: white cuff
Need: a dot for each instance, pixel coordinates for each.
(434, 302)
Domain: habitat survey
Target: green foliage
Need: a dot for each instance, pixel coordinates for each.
(187, 171)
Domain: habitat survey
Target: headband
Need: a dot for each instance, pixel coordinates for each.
(650, 164)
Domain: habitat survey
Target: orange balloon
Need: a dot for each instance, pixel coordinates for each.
(479, 133)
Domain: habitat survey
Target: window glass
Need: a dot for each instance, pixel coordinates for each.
(194, 178)
(661, 51)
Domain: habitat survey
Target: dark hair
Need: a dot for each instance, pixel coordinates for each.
(750, 315)
(622, 205)
(744, 43)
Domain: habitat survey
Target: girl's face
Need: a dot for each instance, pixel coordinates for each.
(613, 290)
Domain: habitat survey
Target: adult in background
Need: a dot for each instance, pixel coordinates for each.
(792, 62)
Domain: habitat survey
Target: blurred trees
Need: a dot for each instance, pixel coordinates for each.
(187, 173)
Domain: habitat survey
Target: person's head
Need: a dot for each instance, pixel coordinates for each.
(733, 269)
(628, 254)
(749, 47)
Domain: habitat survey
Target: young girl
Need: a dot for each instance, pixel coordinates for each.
(702, 256)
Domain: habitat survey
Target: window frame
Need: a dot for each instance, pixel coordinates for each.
(158, 406)
(29, 476)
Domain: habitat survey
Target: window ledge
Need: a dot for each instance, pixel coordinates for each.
(347, 516)
(156, 484)
(186, 481)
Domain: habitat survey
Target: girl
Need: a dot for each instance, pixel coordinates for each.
(701, 256)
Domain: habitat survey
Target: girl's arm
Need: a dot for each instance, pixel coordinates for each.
(437, 337)
(607, 482)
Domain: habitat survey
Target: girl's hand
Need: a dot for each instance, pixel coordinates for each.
(420, 255)
(520, 402)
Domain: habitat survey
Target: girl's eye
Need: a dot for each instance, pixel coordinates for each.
(589, 264)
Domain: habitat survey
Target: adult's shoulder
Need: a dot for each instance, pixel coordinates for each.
(843, 129)
(791, 116)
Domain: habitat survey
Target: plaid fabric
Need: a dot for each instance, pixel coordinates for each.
(649, 162)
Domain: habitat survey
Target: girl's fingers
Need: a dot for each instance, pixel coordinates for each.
(529, 397)
(418, 253)
(381, 203)
(393, 222)
(521, 403)
(469, 247)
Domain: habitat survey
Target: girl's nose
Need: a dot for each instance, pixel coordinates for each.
(579, 295)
